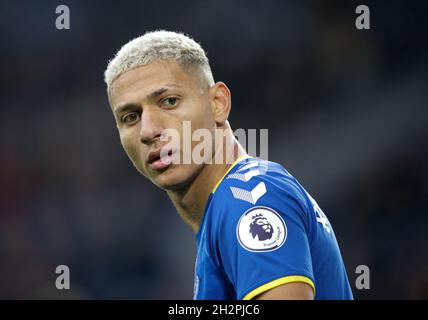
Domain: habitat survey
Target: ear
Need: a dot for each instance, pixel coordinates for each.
(221, 102)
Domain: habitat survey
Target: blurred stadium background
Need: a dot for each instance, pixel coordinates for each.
(346, 110)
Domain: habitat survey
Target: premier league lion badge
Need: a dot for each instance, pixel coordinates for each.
(261, 229)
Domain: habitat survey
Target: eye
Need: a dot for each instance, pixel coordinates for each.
(170, 102)
(130, 117)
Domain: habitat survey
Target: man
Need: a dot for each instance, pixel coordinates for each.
(259, 234)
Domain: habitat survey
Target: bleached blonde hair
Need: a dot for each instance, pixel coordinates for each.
(159, 45)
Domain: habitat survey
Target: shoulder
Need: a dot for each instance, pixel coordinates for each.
(260, 208)
(255, 182)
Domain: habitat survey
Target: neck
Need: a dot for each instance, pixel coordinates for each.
(191, 200)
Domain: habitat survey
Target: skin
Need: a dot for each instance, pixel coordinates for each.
(161, 95)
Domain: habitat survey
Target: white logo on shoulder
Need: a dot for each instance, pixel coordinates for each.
(261, 229)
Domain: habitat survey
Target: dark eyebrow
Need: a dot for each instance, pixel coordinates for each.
(125, 107)
(150, 96)
(157, 93)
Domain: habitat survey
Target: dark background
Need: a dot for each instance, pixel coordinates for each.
(346, 112)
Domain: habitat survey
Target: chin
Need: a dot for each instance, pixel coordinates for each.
(173, 178)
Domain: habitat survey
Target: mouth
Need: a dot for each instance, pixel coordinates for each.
(157, 162)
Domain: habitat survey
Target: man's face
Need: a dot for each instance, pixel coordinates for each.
(149, 99)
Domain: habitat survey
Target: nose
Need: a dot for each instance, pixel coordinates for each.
(150, 129)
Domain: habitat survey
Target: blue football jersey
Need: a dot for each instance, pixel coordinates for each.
(260, 230)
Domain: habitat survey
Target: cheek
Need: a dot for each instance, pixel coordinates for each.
(200, 114)
(130, 145)
(207, 116)
(125, 141)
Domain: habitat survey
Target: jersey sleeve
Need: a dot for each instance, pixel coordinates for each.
(264, 235)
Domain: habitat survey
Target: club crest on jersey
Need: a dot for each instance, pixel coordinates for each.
(261, 229)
